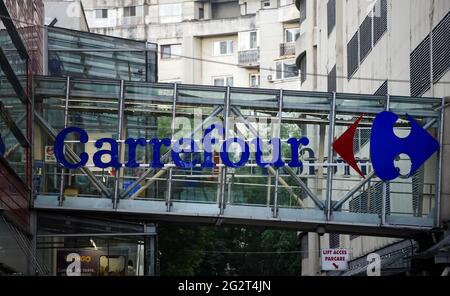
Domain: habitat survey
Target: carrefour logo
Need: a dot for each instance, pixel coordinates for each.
(385, 147)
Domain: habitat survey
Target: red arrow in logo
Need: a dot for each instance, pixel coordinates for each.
(344, 146)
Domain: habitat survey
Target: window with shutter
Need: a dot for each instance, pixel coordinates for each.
(380, 19)
(365, 38)
(441, 48)
(419, 61)
(331, 15)
(332, 79)
(352, 55)
(334, 240)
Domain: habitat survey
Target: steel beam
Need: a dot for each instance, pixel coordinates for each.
(66, 121)
(384, 185)
(166, 156)
(330, 158)
(270, 169)
(118, 171)
(73, 156)
(302, 185)
(440, 155)
(169, 180)
(277, 172)
(223, 170)
(383, 203)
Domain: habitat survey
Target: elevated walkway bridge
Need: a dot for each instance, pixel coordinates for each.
(324, 195)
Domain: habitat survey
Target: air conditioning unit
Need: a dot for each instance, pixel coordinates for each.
(269, 78)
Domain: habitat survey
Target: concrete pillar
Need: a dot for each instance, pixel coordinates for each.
(192, 68)
(445, 185)
(311, 265)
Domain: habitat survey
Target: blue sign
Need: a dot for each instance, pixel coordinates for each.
(385, 146)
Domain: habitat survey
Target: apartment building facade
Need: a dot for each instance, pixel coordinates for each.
(238, 43)
(375, 47)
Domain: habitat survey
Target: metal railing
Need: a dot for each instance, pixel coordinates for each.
(287, 49)
(147, 109)
(248, 58)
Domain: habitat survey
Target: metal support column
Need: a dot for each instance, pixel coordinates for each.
(223, 170)
(169, 180)
(66, 121)
(72, 156)
(118, 171)
(277, 172)
(384, 187)
(330, 158)
(439, 174)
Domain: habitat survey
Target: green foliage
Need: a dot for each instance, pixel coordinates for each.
(207, 250)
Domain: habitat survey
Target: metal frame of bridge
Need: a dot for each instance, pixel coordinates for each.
(327, 211)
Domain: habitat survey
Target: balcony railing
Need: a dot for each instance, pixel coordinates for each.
(287, 49)
(248, 58)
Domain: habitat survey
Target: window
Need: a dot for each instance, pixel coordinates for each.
(248, 40)
(170, 51)
(441, 48)
(129, 11)
(244, 8)
(331, 15)
(286, 69)
(380, 19)
(201, 13)
(170, 13)
(223, 47)
(352, 55)
(265, 4)
(302, 67)
(254, 80)
(365, 38)
(101, 13)
(334, 240)
(419, 62)
(368, 34)
(286, 2)
(253, 40)
(302, 8)
(290, 35)
(434, 50)
(382, 90)
(223, 81)
(332, 79)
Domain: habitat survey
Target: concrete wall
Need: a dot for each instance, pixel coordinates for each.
(408, 24)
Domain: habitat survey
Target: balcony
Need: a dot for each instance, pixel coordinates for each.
(287, 49)
(248, 58)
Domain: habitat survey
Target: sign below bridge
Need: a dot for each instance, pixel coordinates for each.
(334, 259)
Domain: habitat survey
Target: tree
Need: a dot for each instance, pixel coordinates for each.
(209, 250)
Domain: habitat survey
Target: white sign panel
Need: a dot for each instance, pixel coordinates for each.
(334, 259)
(49, 154)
